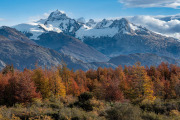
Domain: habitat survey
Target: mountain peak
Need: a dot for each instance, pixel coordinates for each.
(104, 23)
(123, 25)
(124, 20)
(4, 27)
(91, 23)
(57, 15)
(81, 20)
(91, 20)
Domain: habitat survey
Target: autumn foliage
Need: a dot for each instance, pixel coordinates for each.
(123, 83)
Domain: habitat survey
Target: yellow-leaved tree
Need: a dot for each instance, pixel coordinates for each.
(142, 84)
(56, 85)
(41, 82)
(148, 88)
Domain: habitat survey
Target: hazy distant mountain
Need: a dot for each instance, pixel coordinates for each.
(144, 58)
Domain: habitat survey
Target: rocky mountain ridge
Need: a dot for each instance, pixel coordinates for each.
(23, 54)
(100, 40)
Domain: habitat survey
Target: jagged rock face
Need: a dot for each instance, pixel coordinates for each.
(57, 22)
(70, 28)
(60, 20)
(71, 46)
(144, 58)
(104, 23)
(57, 15)
(122, 25)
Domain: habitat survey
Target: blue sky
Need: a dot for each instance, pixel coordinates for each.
(20, 11)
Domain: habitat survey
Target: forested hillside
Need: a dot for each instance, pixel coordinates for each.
(129, 93)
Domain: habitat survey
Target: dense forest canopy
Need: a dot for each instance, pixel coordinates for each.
(150, 89)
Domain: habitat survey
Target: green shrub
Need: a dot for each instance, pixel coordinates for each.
(123, 112)
(84, 101)
(5, 113)
(151, 116)
(160, 107)
(85, 97)
(77, 114)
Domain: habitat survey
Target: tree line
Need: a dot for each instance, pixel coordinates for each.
(129, 83)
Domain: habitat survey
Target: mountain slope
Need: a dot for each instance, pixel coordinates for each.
(14, 35)
(70, 46)
(145, 59)
(25, 55)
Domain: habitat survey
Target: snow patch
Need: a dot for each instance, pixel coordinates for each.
(95, 33)
(133, 27)
(30, 28)
(50, 27)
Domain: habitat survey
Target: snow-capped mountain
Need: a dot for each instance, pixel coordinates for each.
(110, 37)
(60, 22)
(107, 28)
(57, 22)
(16, 49)
(56, 32)
(165, 25)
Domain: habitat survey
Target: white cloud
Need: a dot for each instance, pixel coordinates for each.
(170, 28)
(43, 16)
(151, 3)
(38, 17)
